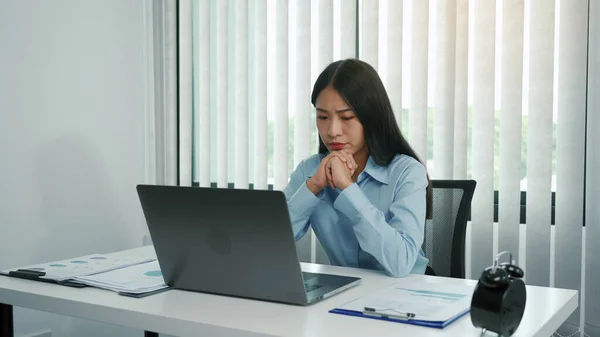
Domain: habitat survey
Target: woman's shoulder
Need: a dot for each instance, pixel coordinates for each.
(404, 162)
(312, 161)
(310, 164)
(405, 167)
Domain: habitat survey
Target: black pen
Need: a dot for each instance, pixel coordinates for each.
(373, 312)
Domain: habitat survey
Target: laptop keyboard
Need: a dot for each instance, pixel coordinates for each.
(311, 287)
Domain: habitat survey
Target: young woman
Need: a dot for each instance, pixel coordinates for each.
(365, 194)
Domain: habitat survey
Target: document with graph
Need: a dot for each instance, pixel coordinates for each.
(429, 304)
(63, 270)
(137, 279)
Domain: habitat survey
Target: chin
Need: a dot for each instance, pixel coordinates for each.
(347, 150)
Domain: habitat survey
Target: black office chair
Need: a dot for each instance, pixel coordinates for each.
(444, 243)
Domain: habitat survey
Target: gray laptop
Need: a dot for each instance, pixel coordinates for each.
(231, 242)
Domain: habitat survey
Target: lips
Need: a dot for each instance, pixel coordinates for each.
(337, 146)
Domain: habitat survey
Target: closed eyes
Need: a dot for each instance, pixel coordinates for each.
(343, 118)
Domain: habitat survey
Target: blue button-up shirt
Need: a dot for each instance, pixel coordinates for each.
(378, 222)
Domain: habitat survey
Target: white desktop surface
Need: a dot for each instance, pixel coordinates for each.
(183, 313)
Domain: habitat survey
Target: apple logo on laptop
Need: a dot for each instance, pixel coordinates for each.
(219, 241)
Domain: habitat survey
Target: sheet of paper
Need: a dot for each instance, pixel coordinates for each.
(91, 264)
(429, 302)
(135, 279)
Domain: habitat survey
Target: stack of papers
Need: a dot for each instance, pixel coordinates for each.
(430, 304)
(90, 264)
(138, 279)
(134, 272)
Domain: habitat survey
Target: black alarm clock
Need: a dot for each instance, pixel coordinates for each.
(499, 298)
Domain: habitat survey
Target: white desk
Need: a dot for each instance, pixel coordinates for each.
(182, 313)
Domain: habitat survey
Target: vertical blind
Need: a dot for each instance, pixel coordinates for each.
(484, 46)
(591, 299)
(570, 145)
(488, 90)
(511, 86)
(539, 105)
(417, 111)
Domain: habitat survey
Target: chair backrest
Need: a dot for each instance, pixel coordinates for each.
(444, 243)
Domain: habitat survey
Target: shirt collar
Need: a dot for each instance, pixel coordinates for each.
(377, 172)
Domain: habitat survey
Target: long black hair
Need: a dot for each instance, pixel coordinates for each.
(362, 89)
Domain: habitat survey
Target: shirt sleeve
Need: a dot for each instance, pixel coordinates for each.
(301, 201)
(395, 244)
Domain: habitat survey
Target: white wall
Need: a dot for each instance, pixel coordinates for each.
(72, 138)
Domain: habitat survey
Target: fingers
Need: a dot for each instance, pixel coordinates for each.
(351, 163)
(338, 154)
(326, 162)
(334, 164)
(329, 173)
(337, 173)
(323, 173)
(346, 158)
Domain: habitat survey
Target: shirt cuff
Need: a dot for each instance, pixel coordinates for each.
(304, 201)
(351, 201)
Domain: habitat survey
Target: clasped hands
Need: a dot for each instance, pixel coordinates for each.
(335, 170)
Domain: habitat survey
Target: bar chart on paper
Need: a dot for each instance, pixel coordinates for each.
(138, 279)
(90, 264)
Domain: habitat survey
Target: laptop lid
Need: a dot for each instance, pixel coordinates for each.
(224, 241)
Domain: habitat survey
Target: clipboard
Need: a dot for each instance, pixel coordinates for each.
(429, 305)
(413, 321)
(35, 275)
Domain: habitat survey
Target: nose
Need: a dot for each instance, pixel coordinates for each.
(335, 128)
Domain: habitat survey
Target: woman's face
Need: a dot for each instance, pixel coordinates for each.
(338, 126)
